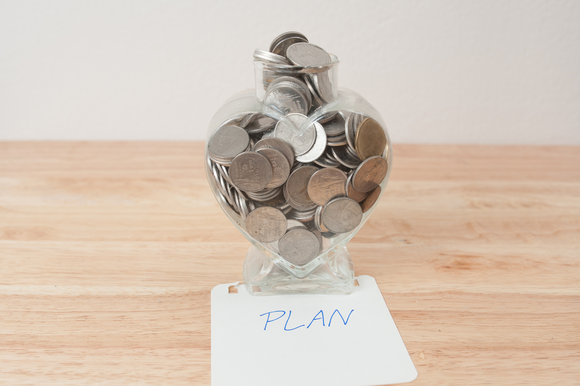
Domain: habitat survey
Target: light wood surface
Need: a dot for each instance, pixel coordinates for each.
(109, 250)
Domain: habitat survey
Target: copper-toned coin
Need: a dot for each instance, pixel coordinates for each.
(352, 192)
(250, 171)
(325, 184)
(280, 167)
(371, 199)
(369, 174)
(341, 215)
(266, 224)
(370, 139)
(296, 188)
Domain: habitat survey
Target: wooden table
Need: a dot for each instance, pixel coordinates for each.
(108, 253)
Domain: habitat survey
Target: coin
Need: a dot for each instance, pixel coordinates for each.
(297, 188)
(227, 142)
(285, 40)
(326, 162)
(318, 148)
(371, 199)
(341, 215)
(352, 192)
(266, 224)
(260, 123)
(336, 126)
(278, 144)
(299, 246)
(280, 167)
(325, 184)
(270, 57)
(250, 171)
(287, 98)
(370, 139)
(307, 55)
(345, 158)
(369, 174)
(301, 143)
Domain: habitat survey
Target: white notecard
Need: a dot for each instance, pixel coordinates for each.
(339, 340)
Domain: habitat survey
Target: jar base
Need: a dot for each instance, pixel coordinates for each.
(263, 277)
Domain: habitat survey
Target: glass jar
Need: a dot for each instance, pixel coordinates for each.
(266, 271)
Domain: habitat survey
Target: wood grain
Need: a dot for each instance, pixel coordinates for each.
(108, 251)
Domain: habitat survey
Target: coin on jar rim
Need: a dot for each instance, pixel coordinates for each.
(280, 167)
(281, 43)
(301, 143)
(270, 57)
(341, 215)
(266, 224)
(370, 139)
(250, 171)
(307, 55)
(369, 174)
(299, 246)
(326, 184)
(371, 199)
(228, 141)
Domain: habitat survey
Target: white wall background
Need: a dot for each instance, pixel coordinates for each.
(489, 72)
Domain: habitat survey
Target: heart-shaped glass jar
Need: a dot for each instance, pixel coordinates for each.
(351, 149)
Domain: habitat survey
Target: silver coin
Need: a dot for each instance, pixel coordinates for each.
(294, 81)
(266, 224)
(323, 86)
(326, 162)
(345, 158)
(250, 171)
(299, 246)
(350, 129)
(336, 126)
(286, 98)
(327, 117)
(316, 98)
(303, 216)
(326, 184)
(296, 188)
(341, 215)
(318, 147)
(301, 143)
(228, 141)
(337, 140)
(278, 144)
(295, 224)
(260, 123)
(280, 167)
(285, 40)
(318, 222)
(270, 57)
(307, 55)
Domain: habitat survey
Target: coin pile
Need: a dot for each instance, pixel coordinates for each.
(295, 188)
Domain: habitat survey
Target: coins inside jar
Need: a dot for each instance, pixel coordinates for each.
(297, 173)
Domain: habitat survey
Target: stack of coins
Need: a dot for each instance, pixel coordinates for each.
(293, 187)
